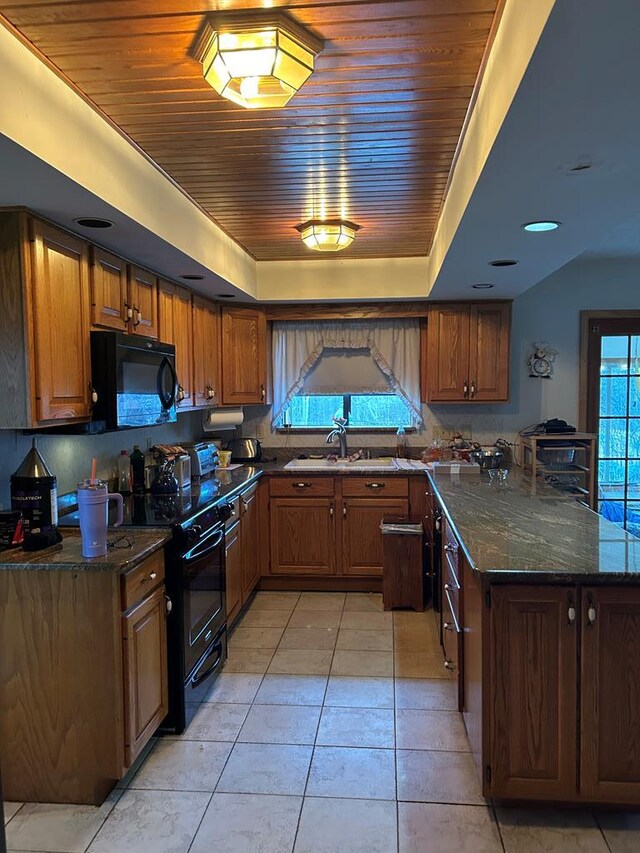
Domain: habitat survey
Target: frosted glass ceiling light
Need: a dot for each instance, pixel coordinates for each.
(256, 61)
(328, 235)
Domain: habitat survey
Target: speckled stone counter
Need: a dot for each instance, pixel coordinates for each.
(505, 529)
(67, 556)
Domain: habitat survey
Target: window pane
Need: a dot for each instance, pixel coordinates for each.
(313, 411)
(634, 395)
(612, 510)
(614, 354)
(613, 438)
(633, 517)
(633, 480)
(611, 478)
(613, 395)
(634, 438)
(635, 354)
(378, 410)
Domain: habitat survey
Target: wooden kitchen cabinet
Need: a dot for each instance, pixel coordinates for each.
(175, 325)
(303, 538)
(93, 686)
(206, 352)
(244, 356)
(466, 355)
(109, 290)
(250, 549)
(610, 694)
(145, 671)
(143, 302)
(60, 300)
(361, 536)
(533, 665)
(233, 556)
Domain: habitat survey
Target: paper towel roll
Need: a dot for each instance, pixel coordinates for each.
(219, 419)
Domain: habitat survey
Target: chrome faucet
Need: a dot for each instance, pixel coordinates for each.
(340, 432)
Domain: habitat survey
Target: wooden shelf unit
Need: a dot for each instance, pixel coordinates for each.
(584, 443)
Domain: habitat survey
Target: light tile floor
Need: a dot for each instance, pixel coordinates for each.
(332, 728)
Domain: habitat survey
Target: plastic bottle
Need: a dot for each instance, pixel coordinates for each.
(124, 473)
(137, 469)
(401, 443)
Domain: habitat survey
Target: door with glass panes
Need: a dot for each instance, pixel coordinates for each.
(613, 412)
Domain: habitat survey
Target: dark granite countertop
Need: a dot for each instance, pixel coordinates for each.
(508, 531)
(67, 556)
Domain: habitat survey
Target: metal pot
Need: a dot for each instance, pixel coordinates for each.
(487, 457)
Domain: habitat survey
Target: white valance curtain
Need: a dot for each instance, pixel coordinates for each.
(391, 345)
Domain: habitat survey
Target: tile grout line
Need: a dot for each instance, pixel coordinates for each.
(599, 825)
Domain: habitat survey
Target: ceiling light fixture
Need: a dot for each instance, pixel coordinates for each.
(93, 222)
(503, 263)
(327, 235)
(482, 286)
(256, 61)
(540, 227)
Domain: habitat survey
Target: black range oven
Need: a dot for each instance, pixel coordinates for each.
(197, 629)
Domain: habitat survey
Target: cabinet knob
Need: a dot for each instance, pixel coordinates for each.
(450, 665)
(128, 311)
(331, 513)
(450, 547)
(344, 512)
(591, 613)
(465, 389)
(93, 394)
(302, 485)
(262, 392)
(150, 577)
(180, 394)
(473, 388)
(448, 626)
(168, 605)
(571, 614)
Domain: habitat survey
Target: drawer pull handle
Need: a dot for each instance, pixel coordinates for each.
(150, 577)
(451, 588)
(450, 548)
(450, 665)
(302, 485)
(375, 485)
(448, 626)
(168, 605)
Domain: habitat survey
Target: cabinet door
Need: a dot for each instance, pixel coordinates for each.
(448, 353)
(250, 556)
(244, 356)
(145, 671)
(175, 327)
(302, 536)
(233, 570)
(489, 351)
(533, 701)
(60, 295)
(610, 695)
(108, 290)
(361, 536)
(206, 352)
(143, 302)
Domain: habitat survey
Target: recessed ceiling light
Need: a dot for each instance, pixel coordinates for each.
(93, 222)
(192, 277)
(539, 227)
(482, 286)
(503, 263)
(226, 295)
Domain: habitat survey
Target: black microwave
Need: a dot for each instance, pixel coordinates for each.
(135, 380)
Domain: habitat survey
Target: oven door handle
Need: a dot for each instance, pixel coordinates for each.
(167, 400)
(212, 543)
(198, 677)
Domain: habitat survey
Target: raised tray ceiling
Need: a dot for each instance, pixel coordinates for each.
(370, 137)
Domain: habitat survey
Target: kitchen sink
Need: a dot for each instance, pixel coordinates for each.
(384, 464)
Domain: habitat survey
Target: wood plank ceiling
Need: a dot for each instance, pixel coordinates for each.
(370, 137)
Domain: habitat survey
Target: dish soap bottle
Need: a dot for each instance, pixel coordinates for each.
(401, 443)
(124, 473)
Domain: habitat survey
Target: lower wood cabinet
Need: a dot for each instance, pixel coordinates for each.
(303, 537)
(361, 536)
(233, 569)
(249, 511)
(90, 648)
(145, 671)
(552, 690)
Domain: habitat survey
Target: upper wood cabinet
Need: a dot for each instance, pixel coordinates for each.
(244, 356)
(108, 290)
(143, 302)
(60, 324)
(466, 353)
(206, 352)
(175, 325)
